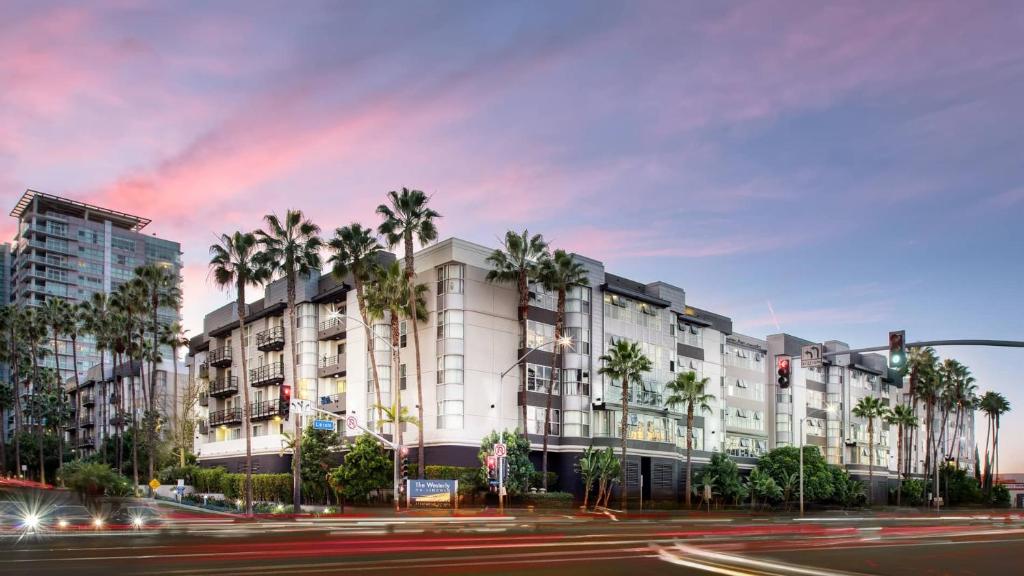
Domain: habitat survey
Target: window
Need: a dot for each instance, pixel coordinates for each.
(538, 378)
(449, 369)
(450, 279)
(576, 423)
(539, 334)
(401, 377)
(580, 339)
(535, 416)
(121, 243)
(257, 430)
(403, 333)
(449, 324)
(578, 300)
(575, 382)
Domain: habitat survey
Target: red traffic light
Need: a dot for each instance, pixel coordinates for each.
(783, 365)
(286, 393)
(492, 463)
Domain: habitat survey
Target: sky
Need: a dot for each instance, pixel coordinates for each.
(832, 170)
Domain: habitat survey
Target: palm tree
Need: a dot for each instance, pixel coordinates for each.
(35, 334)
(160, 285)
(173, 335)
(994, 405)
(408, 217)
(870, 407)
(904, 418)
(95, 316)
(963, 395)
(518, 262)
(690, 390)
(356, 252)
(292, 248)
(625, 363)
(235, 263)
(129, 299)
(11, 327)
(560, 274)
(6, 404)
(389, 295)
(921, 365)
(57, 316)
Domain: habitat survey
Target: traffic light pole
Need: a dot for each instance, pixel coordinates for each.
(967, 342)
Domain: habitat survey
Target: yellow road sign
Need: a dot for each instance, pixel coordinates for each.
(154, 483)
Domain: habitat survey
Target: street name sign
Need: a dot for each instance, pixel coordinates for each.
(323, 425)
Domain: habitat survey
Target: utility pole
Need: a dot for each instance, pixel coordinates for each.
(802, 467)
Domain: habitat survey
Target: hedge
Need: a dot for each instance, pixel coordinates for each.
(548, 499)
(470, 477)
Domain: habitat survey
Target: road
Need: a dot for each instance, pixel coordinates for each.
(545, 545)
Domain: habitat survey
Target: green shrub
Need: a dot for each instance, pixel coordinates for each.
(92, 480)
(1000, 496)
(171, 474)
(548, 499)
(471, 479)
(913, 492)
(208, 480)
(537, 480)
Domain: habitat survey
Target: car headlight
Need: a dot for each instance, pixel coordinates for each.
(30, 521)
(62, 523)
(97, 522)
(137, 522)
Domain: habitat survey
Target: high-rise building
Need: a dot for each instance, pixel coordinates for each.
(70, 250)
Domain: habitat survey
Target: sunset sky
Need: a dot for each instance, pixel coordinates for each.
(857, 167)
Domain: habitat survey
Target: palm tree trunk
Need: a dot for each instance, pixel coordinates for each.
(297, 393)
(410, 271)
(988, 436)
(174, 403)
(104, 406)
(871, 461)
(78, 387)
(240, 303)
(35, 411)
(15, 385)
(623, 429)
(689, 450)
(135, 428)
(370, 347)
(899, 466)
(524, 312)
(60, 408)
(395, 363)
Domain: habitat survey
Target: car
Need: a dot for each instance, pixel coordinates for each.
(137, 517)
(73, 517)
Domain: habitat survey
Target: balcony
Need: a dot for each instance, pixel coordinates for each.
(268, 375)
(219, 357)
(119, 419)
(224, 386)
(86, 442)
(332, 329)
(271, 340)
(226, 417)
(636, 397)
(70, 424)
(87, 422)
(115, 399)
(331, 366)
(265, 410)
(89, 399)
(333, 403)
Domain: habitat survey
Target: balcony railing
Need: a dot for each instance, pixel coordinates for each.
(331, 366)
(225, 417)
(224, 386)
(86, 442)
(332, 329)
(267, 375)
(333, 403)
(271, 340)
(88, 399)
(87, 422)
(219, 357)
(119, 419)
(637, 397)
(265, 410)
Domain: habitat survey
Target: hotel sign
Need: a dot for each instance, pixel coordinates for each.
(435, 493)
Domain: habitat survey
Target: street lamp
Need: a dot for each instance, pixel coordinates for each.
(335, 314)
(802, 420)
(562, 342)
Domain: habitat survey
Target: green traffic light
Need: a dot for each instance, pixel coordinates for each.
(897, 359)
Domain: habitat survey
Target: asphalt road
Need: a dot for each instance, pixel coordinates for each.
(555, 545)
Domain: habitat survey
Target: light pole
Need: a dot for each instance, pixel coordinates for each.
(802, 466)
(562, 342)
(396, 444)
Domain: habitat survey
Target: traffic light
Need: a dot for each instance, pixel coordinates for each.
(404, 470)
(897, 349)
(782, 366)
(492, 468)
(286, 400)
